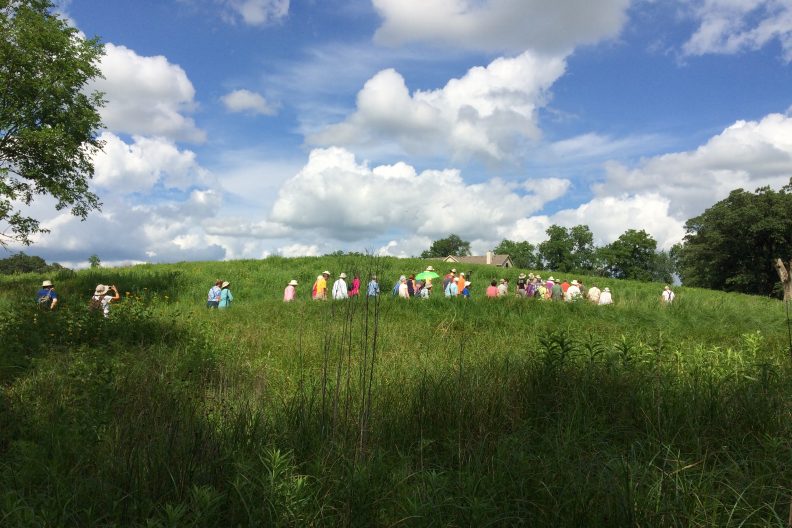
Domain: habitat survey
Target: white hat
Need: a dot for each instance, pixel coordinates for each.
(521, 276)
(325, 272)
(225, 284)
(292, 282)
(46, 283)
(574, 283)
(101, 289)
(342, 276)
(429, 268)
(551, 279)
(607, 289)
(453, 270)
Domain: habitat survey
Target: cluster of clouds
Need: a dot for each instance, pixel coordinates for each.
(732, 26)
(169, 207)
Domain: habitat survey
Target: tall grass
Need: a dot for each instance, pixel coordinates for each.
(382, 412)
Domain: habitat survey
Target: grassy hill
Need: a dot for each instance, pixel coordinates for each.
(442, 412)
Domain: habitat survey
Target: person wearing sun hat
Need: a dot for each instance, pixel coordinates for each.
(573, 292)
(46, 297)
(102, 298)
(290, 292)
(340, 288)
(226, 297)
(320, 286)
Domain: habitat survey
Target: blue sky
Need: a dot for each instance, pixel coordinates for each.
(245, 128)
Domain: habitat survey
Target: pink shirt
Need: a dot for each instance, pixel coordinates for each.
(289, 293)
(355, 286)
(492, 291)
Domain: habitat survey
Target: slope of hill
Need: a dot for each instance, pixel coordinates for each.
(438, 412)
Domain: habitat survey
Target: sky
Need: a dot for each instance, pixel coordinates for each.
(249, 128)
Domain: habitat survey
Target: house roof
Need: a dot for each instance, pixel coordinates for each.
(497, 260)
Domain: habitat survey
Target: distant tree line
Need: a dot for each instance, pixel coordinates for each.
(732, 246)
(22, 263)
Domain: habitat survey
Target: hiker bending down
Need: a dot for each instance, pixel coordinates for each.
(102, 298)
(46, 297)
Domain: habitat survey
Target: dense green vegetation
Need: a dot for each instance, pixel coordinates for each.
(418, 413)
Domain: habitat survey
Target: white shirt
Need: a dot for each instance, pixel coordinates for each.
(605, 298)
(668, 296)
(340, 290)
(594, 294)
(572, 293)
(503, 290)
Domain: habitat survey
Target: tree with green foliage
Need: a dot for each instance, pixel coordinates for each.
(452, 245)
(733, 245)
(48, 122)
(523, 254)
(568, 249)
(22, 263)
(94, 261)
(631, 256)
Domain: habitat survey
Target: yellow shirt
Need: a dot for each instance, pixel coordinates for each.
(321, 288)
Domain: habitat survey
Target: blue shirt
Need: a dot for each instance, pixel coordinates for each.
(43, 292)
(373, 289)
(214, 294)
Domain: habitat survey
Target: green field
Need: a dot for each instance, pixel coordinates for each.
(480, 412)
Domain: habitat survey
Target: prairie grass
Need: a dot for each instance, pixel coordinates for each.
(486, 412)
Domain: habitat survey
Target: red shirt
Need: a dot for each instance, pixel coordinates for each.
(492, 291)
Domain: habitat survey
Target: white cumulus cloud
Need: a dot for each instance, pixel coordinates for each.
(486, 113)
(334, 195)
(146, 96)
(499, 25)
(731, 26)
(138, 167)
(247, 101)
(259, 12)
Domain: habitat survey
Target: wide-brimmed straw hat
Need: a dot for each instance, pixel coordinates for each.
(325, 272)
(607, 290)
(226, 284)
(101, 289)
(46, 283)
(574, 283)
(429, 268)
(453, 270)
(521, 276)
(342, 276)
(551, 278)
(292, 282)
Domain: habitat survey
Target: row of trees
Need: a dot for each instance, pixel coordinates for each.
(732, 246)
(633, 255)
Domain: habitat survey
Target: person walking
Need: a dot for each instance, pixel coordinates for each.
(213, 298)
(667, 297)
(452, 290)
(355, 291)
(46, 297)
(373, 289)
(320, 286)
(226, 297)
(102, 298)
(340, 289)
(605, 297)
(594, 294)
(290, 292)
(404, 290)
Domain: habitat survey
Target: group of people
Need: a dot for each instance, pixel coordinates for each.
(104, 294)
(457, 284)
(220, 295)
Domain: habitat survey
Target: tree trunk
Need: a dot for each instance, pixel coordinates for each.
(786, 278)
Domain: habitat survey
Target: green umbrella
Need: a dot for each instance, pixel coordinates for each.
(427, 275)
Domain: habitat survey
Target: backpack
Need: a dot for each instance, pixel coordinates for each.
(95, 303)
(396, 288)
(45, 301)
